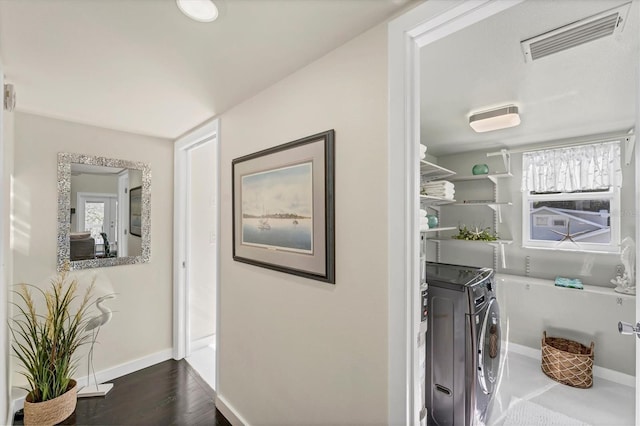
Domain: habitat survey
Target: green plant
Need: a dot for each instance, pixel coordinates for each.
(475, 234)
(45, 343)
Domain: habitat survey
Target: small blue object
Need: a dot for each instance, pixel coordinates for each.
(569, 283)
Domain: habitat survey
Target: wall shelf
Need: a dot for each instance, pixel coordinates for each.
(430, 171)
(493, 177)
(444, 228)
(484, 203)
(455, 240)
(436, 201)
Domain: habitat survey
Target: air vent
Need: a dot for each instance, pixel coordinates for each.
(597, 26)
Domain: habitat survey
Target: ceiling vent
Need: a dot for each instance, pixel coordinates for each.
(597, 26)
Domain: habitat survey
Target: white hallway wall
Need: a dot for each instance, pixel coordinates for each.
(143, 320)
(293, 350)
(6, 148)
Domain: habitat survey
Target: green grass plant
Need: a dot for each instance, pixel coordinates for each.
(45, 343)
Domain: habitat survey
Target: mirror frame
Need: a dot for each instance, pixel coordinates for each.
(64, 211)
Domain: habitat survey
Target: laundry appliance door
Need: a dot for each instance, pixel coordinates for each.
(489, 348)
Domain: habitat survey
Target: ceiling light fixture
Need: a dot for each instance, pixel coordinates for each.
(199, 10)
(495, 119)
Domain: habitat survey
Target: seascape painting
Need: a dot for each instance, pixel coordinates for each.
(277, 209)
(283, 208)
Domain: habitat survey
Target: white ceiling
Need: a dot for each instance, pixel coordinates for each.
(588, 90)
(142, 66)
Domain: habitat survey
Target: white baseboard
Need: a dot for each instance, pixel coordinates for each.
(601, 372)
(18, 395)
(229, 412)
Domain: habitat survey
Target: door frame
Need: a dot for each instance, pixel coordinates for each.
(208, 132)
(408, 33)
(107, 198)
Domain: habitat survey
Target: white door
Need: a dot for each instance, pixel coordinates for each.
(196, 254)
(98, 213)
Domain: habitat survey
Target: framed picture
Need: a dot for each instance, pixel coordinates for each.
(135, 211)
(283, 208)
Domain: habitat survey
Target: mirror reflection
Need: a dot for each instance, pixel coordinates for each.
(103, 212)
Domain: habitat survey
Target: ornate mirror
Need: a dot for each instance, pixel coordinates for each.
(104, 214)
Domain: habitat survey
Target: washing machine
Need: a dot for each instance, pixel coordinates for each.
(462, 344)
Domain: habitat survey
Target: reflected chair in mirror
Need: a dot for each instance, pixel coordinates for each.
(105, 242)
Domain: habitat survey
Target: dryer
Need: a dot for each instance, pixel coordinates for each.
(462, 344)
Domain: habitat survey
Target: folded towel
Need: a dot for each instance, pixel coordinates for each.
(440, 193)
(442, 187)
(423, 213)
(423, 148)
(438, 189)
(423, 155)
(439, 182)
(569, 282)
(424, 224)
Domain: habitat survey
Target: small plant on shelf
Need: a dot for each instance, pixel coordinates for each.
(475, 234)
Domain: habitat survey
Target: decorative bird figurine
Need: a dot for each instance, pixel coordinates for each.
(105, 317)
(94, 325)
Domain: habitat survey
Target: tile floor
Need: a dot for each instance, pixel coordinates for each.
(606, 403)
(204, 362)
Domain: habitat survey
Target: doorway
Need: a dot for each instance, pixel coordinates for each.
(98, 214)
(196, 251)
(407, 35)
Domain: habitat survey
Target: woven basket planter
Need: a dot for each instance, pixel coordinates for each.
(52, 411)
(567, 361)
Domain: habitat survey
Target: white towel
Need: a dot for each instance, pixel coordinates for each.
(423, 149)
(423, 213)
(439, 193)
(440, 183)
(438, 189)
(423, 155)
(424, 224)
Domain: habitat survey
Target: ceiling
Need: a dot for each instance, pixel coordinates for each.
(143, 67)
(587, 90)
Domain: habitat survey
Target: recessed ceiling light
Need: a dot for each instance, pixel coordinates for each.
(495, 119)
(199, 10)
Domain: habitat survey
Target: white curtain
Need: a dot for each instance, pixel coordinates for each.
(584, 167)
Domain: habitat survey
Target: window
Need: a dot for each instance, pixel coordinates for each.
(571, 198)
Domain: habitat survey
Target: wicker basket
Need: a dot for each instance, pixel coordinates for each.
(53, 411)
(567, 362)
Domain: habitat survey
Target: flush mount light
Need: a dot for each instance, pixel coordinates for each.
(495, 119)
(198, 10)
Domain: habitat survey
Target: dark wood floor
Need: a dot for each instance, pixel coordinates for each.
(169, 393)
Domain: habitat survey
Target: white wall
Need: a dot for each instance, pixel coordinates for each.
(294, 350)
(6, 167)
(593, 269)
(143, 320)
(529, 306)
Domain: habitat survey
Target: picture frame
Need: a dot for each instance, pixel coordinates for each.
(284, 210)
(135, 211)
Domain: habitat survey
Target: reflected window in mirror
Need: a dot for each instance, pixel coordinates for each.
(94, 211)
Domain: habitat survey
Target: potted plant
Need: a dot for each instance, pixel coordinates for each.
(47, 330)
